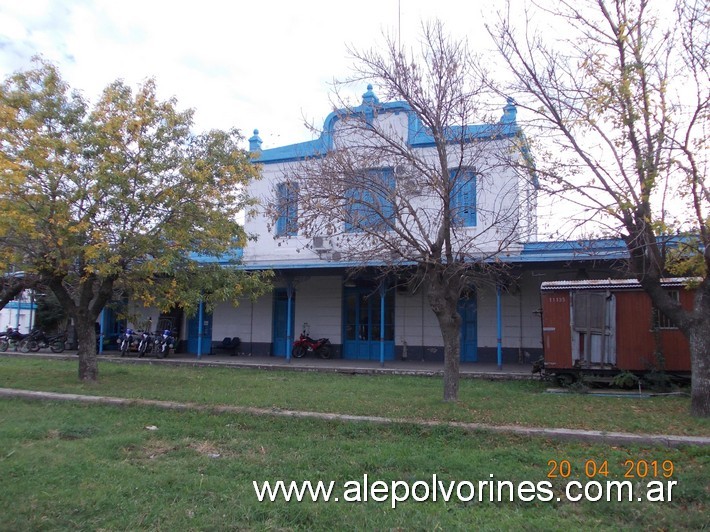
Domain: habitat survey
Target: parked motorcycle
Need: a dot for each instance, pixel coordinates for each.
(163, 344)
(146, 343)
(11, 338)
(126, 341)
(37, 340)
(306, 344)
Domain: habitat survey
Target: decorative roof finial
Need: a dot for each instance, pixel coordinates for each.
(510, 112)
(369, 98)
(255, 142)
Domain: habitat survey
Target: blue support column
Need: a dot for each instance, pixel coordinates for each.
(499, 321)
(200, 327)
(383, 289)
(17, 313)
(289, 326)
(101, 332)
(32, 308)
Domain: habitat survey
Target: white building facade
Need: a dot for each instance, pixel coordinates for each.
(19, 314)
(317, 291)
(327, 285)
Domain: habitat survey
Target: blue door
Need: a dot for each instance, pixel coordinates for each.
(280, 336)
(362, 324)
(111, 326)
(193, 333)
(469, 329)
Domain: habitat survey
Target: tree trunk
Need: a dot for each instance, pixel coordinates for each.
(700, 368)
(451, 330)
(83, 305)
(444, 304)
(699, 338)
(88, 362)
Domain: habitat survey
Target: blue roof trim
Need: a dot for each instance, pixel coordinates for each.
(295, 152)
(231, 257)
(588, 249)
(552, 251)
(531, 252)
(572, 250)
(21, 305)
(419, 136)
(305, 265)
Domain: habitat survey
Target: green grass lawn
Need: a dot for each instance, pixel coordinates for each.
(523, 403)
(73, 467)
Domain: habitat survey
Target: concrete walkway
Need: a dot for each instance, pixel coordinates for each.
(334, 365)
(616, 438)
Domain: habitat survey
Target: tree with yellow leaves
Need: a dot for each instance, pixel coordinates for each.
(117, 199)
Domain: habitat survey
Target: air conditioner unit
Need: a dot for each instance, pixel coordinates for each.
(321, 243)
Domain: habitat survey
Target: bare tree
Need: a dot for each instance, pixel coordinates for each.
(621, 93)
(409, 186)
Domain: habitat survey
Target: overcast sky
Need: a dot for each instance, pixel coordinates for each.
(266, 64)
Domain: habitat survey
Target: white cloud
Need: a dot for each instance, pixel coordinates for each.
(265, 65)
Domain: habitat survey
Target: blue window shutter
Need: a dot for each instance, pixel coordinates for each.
(463, 197)
(387, 175)
(370, 207)
(281, 220)
(292, 209)
(286, 223)
(353, 210)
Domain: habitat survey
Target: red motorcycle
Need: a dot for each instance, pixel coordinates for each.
(305, 343)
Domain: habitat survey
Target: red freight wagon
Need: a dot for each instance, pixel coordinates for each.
(598, 328)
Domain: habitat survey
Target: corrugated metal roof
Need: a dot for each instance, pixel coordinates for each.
(614, 284)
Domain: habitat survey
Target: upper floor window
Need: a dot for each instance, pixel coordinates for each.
(287, 197)
(463, 197)
(371, 202)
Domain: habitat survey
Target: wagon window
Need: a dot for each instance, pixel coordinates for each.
(589, 311)
(593, 327)
(660, 320)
